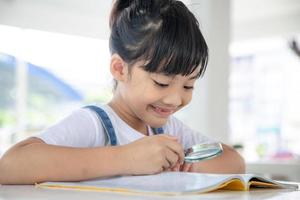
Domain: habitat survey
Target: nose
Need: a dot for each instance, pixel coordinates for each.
(173, 99)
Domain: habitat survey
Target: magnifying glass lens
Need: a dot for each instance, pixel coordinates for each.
(201, 152)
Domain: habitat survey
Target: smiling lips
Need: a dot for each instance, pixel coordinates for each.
(163, 112)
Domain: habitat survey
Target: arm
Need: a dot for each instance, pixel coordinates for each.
(230, 161)
(34, 161)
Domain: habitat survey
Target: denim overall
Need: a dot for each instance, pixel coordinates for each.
(108, 127)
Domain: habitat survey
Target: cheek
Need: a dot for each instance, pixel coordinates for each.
(145, 92)
(187, 97)
(139, 94)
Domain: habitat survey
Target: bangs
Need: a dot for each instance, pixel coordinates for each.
(178, 46)
(162, 33)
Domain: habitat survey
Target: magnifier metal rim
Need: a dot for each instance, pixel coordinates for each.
(206, 146)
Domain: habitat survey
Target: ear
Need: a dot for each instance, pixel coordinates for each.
(118, 68)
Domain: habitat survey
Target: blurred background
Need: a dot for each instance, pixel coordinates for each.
(54, 58)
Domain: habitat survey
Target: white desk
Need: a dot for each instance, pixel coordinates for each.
(288, 170)
(30, 192)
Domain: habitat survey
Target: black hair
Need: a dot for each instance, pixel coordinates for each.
(164, 33)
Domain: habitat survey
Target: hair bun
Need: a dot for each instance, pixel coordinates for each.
(137, 7)
(118, 7)
(122, 4)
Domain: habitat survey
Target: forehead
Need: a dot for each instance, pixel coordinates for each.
(138, 65)
(192, 76)
(159, 71)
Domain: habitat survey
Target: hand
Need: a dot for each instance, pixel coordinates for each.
(185, 167)
(152, 154)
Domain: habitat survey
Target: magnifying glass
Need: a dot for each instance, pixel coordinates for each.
(200, 152)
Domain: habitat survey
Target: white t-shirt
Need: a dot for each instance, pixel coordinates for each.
(82, 128)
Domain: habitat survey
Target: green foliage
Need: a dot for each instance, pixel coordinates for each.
(101, 98)
(6, 118)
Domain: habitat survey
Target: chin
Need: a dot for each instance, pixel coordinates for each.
(159, 123)
(154, 120)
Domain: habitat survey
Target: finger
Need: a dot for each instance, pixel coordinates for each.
(177, 148)
(186, 167)
(176, 167)
(168, 170)
(171, 137)
(172, 157)
(166, 165)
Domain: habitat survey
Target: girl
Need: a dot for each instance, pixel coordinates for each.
(157, 54)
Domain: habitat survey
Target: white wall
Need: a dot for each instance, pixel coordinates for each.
(208, 111)
(75, 17)
(267, 18)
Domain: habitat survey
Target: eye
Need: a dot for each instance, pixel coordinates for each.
(161, 84)
(188, 87)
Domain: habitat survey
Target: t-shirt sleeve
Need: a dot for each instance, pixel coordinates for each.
(187, 136)
(81, 128)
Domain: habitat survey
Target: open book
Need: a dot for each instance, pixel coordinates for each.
(172, 183)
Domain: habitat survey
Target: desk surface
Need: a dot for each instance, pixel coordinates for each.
(287, 169)
(31, 192)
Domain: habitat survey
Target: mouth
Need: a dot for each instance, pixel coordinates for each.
(162, 112)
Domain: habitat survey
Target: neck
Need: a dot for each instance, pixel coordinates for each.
(125, 113)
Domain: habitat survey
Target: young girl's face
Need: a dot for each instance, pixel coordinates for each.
(153, 97)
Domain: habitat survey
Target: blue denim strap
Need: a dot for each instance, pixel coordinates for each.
(108, 127)
(157, 131)
(105, 121)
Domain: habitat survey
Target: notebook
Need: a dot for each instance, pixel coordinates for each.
(172, 183)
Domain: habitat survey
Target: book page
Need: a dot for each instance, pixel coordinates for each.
(170, 183)
(164, 183)
(263, 182)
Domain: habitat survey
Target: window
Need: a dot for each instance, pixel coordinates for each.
(46, 75)
(264, 99)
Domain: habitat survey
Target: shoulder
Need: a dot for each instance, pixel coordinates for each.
(80, 128)
(82, 117)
